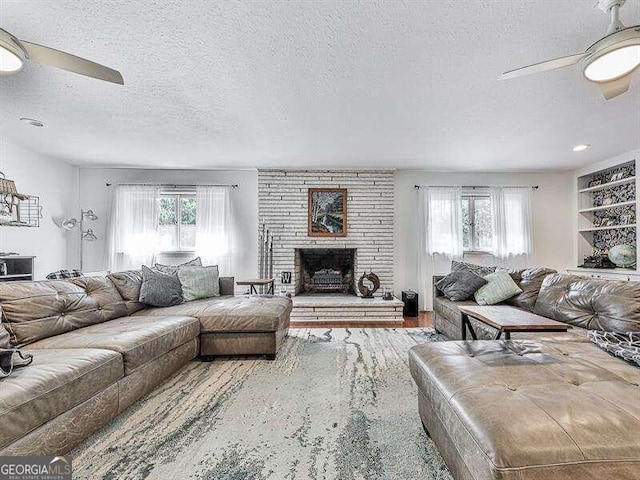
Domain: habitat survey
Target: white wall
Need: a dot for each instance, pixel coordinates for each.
(552, 216)
(95, 195)
(552, 206)
(56, 183)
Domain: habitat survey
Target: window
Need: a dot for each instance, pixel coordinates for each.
(177, 223)
(477, 234)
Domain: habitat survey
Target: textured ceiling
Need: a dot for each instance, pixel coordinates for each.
(402, 84)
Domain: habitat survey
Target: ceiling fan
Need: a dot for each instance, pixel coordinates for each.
(14, 52)
(609, 62)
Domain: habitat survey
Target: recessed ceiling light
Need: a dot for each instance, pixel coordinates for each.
(580, 148)
(31, 121)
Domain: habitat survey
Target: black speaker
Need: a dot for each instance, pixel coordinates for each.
(410, 299)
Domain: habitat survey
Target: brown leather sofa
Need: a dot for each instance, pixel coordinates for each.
(96, 350)
(542, 406)
(447, 318)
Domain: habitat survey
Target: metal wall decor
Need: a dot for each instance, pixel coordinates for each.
(17, 209)
(373, 282)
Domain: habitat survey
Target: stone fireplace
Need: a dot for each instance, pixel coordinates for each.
(283, 210)
(325, 270)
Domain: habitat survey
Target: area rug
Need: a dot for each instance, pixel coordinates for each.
(335, 404)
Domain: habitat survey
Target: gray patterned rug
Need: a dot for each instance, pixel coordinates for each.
(335, 404)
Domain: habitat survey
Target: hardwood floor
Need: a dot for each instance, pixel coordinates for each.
(424, 319)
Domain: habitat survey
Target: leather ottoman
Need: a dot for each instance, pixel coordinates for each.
(530, 410)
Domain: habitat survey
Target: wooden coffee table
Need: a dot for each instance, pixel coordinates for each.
(507, 319)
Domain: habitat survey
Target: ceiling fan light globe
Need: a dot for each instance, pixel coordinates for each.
(613, 64)
(10, 62)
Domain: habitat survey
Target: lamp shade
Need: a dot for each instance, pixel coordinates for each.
(90, 215)
(89, 236)
(70, 224)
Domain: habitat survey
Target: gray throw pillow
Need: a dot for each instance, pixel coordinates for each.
(499, 288)
(199, 282)
(477, 269)
(160, 290)
(173, 269)
(460, 285)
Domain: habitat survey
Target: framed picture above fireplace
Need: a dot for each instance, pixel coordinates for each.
(327, 212)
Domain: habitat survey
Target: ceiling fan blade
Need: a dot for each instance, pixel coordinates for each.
(66, 61)
(615, 87)
(542, 66)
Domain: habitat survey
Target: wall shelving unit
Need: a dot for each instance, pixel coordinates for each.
(606, 215)
(18, 268)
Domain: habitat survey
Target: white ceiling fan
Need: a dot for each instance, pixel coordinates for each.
(14, 52)
(609, 62)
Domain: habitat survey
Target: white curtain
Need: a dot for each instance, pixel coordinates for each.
(440, 221)
(512, 218)
(133, 227)
(214, 227)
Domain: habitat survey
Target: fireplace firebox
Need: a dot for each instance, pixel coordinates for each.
(325, 270)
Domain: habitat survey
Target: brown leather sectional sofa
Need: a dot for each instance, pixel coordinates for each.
(543, 406)
(96, 350)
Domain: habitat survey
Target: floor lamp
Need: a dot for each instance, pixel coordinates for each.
(85, 235)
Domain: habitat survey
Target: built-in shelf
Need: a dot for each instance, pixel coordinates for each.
(619, 270)
(606, 207)
(595, 239)
(18, 268)
(608, 185)
(612, 227)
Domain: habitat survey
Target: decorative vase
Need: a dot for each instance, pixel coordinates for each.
(623, 255)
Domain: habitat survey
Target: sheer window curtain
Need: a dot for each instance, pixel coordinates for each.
(440, 219)
(512, 217)
(133, 227)
(214, 232)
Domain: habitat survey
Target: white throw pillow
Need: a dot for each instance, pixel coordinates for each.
(199, 282)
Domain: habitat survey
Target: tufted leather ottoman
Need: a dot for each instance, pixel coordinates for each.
(530, 410)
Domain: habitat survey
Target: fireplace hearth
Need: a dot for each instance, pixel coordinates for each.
(325, 270)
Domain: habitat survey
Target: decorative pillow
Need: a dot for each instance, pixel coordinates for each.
(128, 284)
(477, 269)
(160, 290)
(63, 274)
(460, 285)
(199, 282)
(173, 269)
(499, 288)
